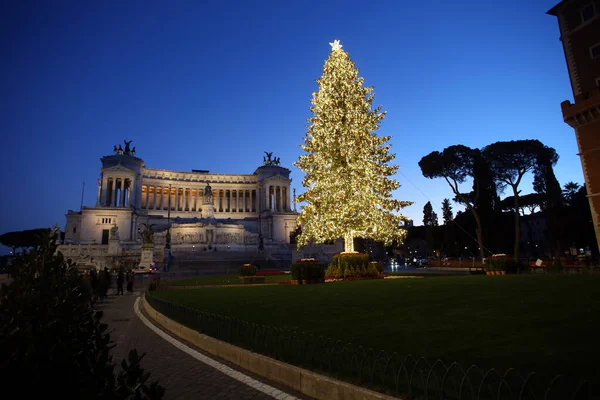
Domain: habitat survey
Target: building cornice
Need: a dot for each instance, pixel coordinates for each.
(179, 176)
(582, 112)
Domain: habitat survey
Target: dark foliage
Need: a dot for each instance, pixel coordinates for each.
(308, 271)
(247, 270)
(447, 211)
(455, 164)
(429, 216)
(24, 239)
(51, 336)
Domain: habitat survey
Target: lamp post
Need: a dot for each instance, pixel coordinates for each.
(168, 235)
(261, 245)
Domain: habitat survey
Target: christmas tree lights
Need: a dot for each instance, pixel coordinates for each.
(348, 185)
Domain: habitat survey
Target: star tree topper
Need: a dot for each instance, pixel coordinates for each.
(335, 45)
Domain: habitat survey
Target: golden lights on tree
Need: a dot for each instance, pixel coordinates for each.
(348, 185)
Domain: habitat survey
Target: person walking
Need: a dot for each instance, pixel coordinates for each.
(120, 279)
(130, 277)
(103, 283)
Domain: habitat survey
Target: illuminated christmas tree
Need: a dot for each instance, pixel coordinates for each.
(346, 164)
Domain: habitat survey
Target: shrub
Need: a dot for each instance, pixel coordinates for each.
(308, 271)
(52, 335)
(510, 265)
(346, 260)
(330, 270)
(346, 273)
(247, 270)
(378, 266)
(338, 272)
(372, 270)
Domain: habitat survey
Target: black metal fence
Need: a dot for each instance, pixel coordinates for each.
(408, 377)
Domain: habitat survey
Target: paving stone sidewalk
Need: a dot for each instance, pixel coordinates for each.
(182, 375)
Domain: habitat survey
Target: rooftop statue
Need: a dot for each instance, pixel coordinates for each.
(128, 151)
(269, 161)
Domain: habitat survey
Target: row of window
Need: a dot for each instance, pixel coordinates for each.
(106, 220)
(588, 12)
(595, 51)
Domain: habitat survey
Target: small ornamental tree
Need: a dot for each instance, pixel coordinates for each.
(346, 163)
(447, 212)
(429, 216)
(52, 338)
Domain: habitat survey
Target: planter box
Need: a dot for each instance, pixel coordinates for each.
(249, 280)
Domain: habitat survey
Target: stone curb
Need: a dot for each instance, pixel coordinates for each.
(301, 380)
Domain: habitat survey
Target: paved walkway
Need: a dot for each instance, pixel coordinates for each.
(179, 372)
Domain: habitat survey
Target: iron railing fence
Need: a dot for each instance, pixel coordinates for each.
(393, 374)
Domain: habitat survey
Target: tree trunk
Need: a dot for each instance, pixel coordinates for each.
(479, 233)
(349, 242)
(517, 226)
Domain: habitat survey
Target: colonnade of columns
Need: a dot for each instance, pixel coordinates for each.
(116, 192)
(278, 198)
(191, 199)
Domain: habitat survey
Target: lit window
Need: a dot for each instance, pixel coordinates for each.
(598, 82)
(595, 51)
(588, 12)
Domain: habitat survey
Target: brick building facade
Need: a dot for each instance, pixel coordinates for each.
(579, 24)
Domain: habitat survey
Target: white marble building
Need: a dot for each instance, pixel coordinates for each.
(242, 208)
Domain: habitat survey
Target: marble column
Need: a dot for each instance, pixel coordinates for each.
(122, 194)
(267, 199)
(127, 193)
(132, 194)
(113, 197)
(154, 198)
(99, 192)
(103, 199)
(244, 200)
(176, 205)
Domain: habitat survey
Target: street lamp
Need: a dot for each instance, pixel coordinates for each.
(168, 235)
(261, 245)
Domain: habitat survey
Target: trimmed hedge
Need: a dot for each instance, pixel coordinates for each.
(509, 265)
(355, 261)
(308, 271)
(353, 265)
(247, 270)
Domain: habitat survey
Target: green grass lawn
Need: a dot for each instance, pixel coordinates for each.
(225, 279)
(544, 323)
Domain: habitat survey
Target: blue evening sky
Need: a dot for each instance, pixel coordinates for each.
(213, 84)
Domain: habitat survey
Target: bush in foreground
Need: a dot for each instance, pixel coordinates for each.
(308, 271)
(51, 336)
(247, 270)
